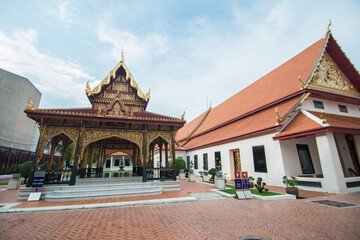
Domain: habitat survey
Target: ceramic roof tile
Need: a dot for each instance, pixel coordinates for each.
(340, 121)
(299, 124)
(280, 83)
(263, 120)
(302, 125)
(184, 132)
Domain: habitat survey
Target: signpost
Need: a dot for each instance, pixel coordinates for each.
(242, 185)
(37, 186)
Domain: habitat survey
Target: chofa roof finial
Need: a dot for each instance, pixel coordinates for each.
(329, 25)
(122, 53)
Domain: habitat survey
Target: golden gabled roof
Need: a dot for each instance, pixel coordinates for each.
(112, 74)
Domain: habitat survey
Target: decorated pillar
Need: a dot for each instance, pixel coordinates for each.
(160, 151)
(84, 160)
(166, 155)
(78, 152)
(144, 153)
(54, 143)
(172, 154)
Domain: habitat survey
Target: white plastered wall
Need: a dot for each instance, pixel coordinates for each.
(275, 167)
(344, 153)
(291, 158)
(331, 107)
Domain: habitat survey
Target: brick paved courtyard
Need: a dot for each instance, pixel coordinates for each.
(206, 219)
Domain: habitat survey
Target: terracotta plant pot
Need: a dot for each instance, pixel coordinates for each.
(293, 191)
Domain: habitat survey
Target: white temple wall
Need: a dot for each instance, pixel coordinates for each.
(291, 158)
(331, 107)
(275, 167)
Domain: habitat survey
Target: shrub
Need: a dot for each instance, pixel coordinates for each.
(292, 182)
(44, 166)
(25, 169)
(260, 185)
(179, 164)
(213, 172)
(186, 170)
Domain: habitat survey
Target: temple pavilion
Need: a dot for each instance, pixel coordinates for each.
(117, 121)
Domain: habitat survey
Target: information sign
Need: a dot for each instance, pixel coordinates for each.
(38, 181)
(244, 175)
(245, 183)
(238, 184)
(237, 175)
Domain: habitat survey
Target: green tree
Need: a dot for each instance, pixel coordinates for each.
(179, 163)
(25, 169)
(96, 156)
(68, 155)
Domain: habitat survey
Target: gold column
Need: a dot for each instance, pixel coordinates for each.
(52, 152)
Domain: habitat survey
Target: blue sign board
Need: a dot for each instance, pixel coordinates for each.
(38, 180)
(245, 183)
(238, 184)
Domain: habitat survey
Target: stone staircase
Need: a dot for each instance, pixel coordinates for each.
(105, 189)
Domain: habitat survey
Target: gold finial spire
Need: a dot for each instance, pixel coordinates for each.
(30, 105)
(183, 116)
(323, 117)
(278, 118)
(329, 25)
(122, 53)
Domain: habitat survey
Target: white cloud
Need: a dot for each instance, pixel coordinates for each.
(65, 13)
(51, 75)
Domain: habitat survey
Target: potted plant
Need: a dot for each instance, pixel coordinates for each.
(291, 184)
(251, 181)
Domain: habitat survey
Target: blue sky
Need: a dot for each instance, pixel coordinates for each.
(190, 53)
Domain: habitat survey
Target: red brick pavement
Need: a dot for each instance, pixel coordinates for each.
(210, 219)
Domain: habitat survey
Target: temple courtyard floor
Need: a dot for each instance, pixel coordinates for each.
(195, 212)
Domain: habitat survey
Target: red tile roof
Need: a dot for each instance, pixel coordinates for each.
(340, 121)
(262, 121)
(302, 125)
(119, 154)
(276, 85)
(186, 131)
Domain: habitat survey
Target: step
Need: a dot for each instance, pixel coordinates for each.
(169, 186)
(102, 194)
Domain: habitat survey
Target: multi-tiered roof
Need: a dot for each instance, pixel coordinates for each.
(117, 98)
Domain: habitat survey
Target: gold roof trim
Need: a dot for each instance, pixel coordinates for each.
(60, 112)
(107, 79)
(281, 120)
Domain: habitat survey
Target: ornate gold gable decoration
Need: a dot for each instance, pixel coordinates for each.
(112, 74)
(328, 76)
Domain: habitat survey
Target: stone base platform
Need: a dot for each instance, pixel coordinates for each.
(102, 190)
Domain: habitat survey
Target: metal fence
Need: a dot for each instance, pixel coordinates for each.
(12, 158)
